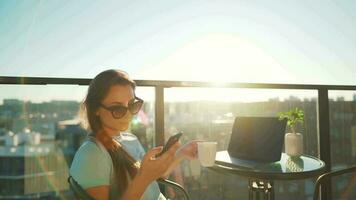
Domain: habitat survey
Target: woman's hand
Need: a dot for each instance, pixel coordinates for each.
(189, 150)
(153, 167)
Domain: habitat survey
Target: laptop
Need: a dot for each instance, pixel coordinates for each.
(254, 141)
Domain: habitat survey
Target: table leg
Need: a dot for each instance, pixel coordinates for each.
(250, 190)
(260, 187)
(272, 190)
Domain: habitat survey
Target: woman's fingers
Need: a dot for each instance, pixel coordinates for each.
(152, 153)
(168, 156)
(174, 148)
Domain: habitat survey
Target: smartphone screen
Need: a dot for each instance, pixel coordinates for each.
(172, 140)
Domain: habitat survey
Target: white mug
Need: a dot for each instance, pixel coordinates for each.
(207, 153)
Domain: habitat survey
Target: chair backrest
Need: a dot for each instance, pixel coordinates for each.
(326, 176)
(175, 186)
(78, 191)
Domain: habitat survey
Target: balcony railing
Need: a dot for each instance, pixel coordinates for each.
(323, 111)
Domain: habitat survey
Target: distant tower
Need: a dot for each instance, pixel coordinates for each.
(340, 98)
(353, 134)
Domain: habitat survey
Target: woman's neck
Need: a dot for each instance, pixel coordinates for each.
(111, 132)
(106, 139)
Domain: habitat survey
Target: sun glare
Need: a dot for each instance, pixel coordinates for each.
(219, 58)
(234, 94)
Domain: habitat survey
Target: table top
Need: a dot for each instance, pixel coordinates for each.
(288, 168)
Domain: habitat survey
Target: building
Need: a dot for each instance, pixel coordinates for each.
(31, 168)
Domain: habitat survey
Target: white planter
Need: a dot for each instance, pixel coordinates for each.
(293, 144)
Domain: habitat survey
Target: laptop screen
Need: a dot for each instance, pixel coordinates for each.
(257, 138)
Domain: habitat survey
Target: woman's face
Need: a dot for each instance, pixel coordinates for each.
(117, 95)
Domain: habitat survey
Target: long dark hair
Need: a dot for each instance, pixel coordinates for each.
(125, 166)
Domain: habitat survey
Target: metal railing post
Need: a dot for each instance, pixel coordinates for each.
(324, 138)
(159, 115)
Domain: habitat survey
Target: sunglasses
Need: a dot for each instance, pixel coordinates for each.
(118, 111)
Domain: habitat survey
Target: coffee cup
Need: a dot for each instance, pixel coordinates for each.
(207, 153)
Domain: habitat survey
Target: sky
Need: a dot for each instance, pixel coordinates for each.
(305, 42)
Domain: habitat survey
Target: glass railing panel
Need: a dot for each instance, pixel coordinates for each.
(343, 186)
(208, 114)
(143, 124)
(35, 153)
(342, 106)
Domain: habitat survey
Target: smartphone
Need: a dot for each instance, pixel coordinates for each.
(171, 141)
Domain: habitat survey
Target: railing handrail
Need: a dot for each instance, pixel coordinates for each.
(23, 80)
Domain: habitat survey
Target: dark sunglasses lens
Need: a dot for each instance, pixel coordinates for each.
(135, 107)
(119, 111)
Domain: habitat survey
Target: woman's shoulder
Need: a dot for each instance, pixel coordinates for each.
(91, 166)
(90, 150)
(90, 146)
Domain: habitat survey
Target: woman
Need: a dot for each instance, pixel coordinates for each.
(112, 164)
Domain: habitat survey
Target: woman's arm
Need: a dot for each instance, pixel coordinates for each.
(136, 188)
(134, 191)
(151, 169)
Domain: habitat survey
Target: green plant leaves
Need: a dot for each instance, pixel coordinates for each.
(293, 117)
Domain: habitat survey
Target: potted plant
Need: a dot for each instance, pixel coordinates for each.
(293, 141)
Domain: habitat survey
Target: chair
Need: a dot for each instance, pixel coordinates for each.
(81, 194)
(78, 191)
(326, 176)
(175, 186)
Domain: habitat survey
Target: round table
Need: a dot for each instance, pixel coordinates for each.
(262, 175)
